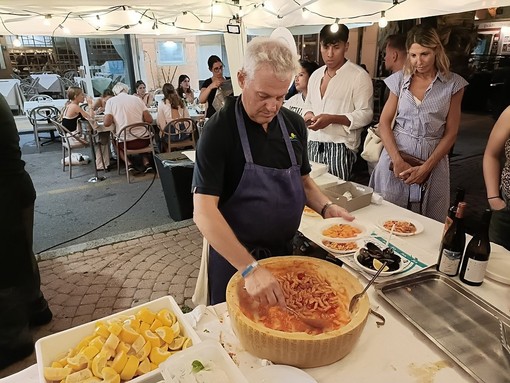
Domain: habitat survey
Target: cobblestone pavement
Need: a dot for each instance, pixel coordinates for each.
(87, 285)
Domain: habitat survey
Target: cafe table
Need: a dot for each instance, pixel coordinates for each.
(10, 89)
(58, 103)
(393, 352)
(48, 82)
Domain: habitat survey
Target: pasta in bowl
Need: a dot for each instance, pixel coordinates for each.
(314, 289)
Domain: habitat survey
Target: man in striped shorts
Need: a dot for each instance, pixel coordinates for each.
(338, 105)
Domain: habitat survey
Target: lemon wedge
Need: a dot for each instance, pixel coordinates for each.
(187, 343)
(177, 343)
(378, 264)
(167, 334)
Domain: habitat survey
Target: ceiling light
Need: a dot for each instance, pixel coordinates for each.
(64, 29)
(334, 27)
(382, 21)
(47, 19)
(16, 42)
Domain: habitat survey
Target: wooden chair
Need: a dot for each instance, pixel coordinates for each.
(70, 141)
(40, 118)
(179, 134)
(140, 130)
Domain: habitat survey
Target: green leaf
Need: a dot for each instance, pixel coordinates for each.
(197, 366)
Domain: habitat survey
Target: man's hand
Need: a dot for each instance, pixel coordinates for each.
(338, 211)
(264, 287)
(319, 122)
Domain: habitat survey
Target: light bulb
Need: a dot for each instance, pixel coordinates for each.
(306, 13)
(47, 19)
(334, 28)
(382, 21)
(16, 42)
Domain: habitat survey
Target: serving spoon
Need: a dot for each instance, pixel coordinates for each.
(355, 299)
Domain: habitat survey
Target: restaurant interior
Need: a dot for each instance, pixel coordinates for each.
(413, 323)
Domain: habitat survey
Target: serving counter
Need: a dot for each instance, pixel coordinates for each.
(393, 352)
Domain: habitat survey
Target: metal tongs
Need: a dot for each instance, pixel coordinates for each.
(504, 343)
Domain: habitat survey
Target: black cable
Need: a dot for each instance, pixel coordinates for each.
(106, 223)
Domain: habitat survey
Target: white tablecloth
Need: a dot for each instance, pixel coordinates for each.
(29, 105)
(48, 82)
(395, 352)
(12, 93)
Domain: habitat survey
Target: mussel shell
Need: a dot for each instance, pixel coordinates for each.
(371, 251)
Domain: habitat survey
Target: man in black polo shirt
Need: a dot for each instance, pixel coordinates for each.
(251, 177)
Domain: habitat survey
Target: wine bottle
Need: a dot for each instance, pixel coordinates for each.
(477, 254)
(459, 197)
(452, 246)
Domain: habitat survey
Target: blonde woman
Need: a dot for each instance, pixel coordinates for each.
(73, 112)
(428, 96)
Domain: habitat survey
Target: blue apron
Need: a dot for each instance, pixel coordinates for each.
(264, 212)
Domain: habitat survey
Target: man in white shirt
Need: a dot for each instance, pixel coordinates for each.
(338, 105)
(123, 110)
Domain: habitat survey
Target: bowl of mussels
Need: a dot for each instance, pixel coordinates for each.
(371, 258)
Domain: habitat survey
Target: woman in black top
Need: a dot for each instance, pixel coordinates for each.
(211, 85)
(72, 111)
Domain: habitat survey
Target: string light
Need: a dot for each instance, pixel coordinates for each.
(306, 13)
(334, 27)
(382, 21)
(47, 19)
(16, 42)
(64, 29)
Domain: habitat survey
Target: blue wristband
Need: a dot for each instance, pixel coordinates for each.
(249, 269)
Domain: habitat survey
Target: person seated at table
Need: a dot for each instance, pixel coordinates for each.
(142, 94)
(100, 103)
(170, 109)
(122, 110)
(73, 112)
(184, 89)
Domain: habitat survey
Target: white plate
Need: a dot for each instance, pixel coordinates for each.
(360, 243)
(498, 268)
(339, 221)
(417, 224)
(404, 263)
(278, 374)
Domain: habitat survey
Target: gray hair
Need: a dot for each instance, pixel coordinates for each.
(272, 52)
(119, 88)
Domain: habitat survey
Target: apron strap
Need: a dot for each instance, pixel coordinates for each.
(244, 137)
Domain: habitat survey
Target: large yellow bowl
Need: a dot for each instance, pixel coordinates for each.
(300, 349)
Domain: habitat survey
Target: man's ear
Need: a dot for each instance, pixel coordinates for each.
(346, 46)
(394, 56)
(241, 78)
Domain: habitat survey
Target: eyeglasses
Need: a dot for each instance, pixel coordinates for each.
(218, 69)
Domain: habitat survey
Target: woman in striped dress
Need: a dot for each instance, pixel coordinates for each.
(428, 97)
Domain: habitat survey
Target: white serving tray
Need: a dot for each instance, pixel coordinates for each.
(53, 347)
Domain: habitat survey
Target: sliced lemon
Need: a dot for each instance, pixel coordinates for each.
(112, 342)
(113, 379)
(102, 330)
(98, 342)
(128, 334)
(138, 343)
(123, 347)
(152, 338)
(78, 362)
(378, 264)
(144, 352)
(158, 355)
(176, 328)
(94, 379)
(119, 362)
(177, 343)
(154, 366)
(109, 372)
(166, 317)
(133, 323)
(146, 315)
(56, 373)
(156, 324)
(79, 376)
(187, 343)
(98, 363)
(83, 343)
(144, 367)
(90, 352)
(166, 333)
(57, 365)
(115, 328)
(130, 368)
(144, 327)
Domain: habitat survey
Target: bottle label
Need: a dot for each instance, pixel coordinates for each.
(450, 261)
(475, 270)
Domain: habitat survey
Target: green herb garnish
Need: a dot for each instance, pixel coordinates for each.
(197, 366)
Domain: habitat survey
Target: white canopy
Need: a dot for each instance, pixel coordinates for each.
(103, 17)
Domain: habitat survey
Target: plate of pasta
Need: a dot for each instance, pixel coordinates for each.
(342, 247)
(403, 226)
(339, 229)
